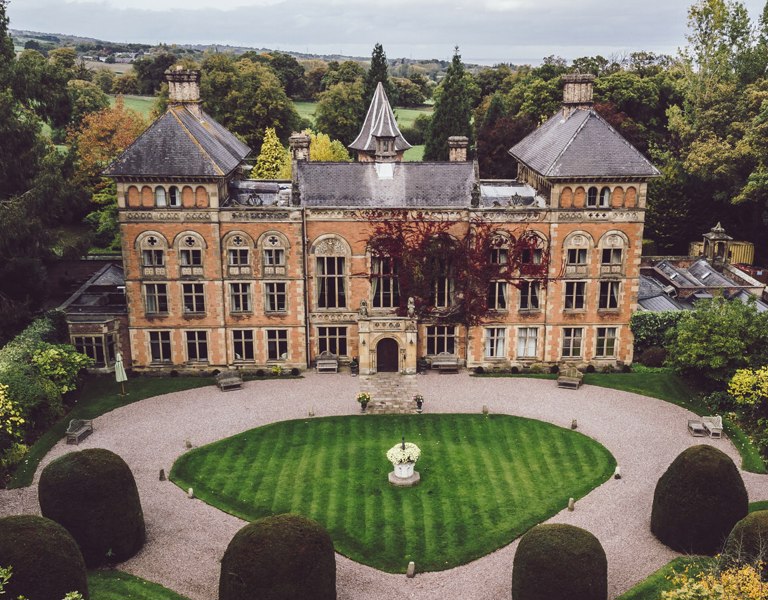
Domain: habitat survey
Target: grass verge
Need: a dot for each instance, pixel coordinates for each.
(660, 581)
(117, 585)
(99, 395)
(484, 481)
(759, 505)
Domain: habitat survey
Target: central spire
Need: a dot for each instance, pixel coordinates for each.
(380, 139)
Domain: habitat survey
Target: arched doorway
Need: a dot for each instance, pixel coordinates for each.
(387, 351)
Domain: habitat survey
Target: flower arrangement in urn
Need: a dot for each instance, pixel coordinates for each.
(403, 457)
(419, 400)
(363, 398)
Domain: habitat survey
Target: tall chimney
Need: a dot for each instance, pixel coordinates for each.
(457, 148)
(184, 88)
(577, 92)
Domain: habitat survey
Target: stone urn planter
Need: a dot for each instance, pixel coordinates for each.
(403, 457)
(363, 398)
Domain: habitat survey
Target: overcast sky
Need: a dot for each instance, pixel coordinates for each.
(487, 31)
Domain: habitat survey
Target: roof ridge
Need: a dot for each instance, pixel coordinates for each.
(570, 141)
(195, 140)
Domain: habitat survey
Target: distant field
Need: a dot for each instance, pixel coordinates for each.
(306, 110)
(141, 104)
(405, 116)
(116, 68)
(415, 154)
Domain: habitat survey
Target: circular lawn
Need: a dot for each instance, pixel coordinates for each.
(485, 480)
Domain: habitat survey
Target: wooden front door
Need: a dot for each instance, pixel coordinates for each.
(387, 352)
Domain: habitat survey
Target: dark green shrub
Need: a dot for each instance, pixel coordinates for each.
(559, 561)
(554, 369)
(652, 357)
(748, 541)
(46, 562)
(652, 328)
(698, 500)
(284, 557)
(295, 372)
(92, 493)
(479, 370)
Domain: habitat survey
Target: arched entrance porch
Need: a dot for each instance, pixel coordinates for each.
(387, 356)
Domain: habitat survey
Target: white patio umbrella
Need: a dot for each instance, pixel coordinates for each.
(120, 375)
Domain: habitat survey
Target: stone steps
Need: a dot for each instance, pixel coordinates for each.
(391, 393)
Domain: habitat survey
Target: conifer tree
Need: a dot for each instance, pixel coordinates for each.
(453, 111)
(379, 72)
(272, 158)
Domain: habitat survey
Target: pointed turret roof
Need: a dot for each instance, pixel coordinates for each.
(379, 122)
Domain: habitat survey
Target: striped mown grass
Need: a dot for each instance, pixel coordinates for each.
(117, 585)
(484, 481)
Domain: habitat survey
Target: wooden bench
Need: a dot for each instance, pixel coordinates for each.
(570, 378)
(445, 362)
(229, 380)
(327, 363)
(79, 429)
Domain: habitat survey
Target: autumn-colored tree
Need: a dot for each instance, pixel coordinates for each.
(321, 149)
(272, 159)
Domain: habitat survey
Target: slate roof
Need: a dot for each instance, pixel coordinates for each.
(386, 185)
(581, 144)
(102, 294)
(379, 122)
(180, 144)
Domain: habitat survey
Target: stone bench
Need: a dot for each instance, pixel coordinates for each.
(229, 381)
(713, 425)
(79, 429)
(327, 363)
(445, 362)
(570, 378)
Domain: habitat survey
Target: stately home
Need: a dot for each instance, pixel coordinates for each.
(223, 271)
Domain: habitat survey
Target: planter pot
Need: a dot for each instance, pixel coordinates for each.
(404, 470)
(363, 406)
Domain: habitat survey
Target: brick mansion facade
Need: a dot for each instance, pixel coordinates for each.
(223, 271)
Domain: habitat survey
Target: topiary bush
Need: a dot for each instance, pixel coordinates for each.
(559, 561)
(748, 542)
(93, 494)
(698, 500)
(284, 557)
(46, 562)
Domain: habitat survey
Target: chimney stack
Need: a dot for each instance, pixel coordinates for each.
(184, 88)
(577, 92)
(299, 144)
(457, 148)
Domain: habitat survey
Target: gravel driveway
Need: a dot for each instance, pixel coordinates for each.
(186, 538)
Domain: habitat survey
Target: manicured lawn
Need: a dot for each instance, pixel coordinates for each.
(658, 582)
(485, 481)
(97, 396)
(415, 154)
(116, 585)
(306, 110)
(141, 104)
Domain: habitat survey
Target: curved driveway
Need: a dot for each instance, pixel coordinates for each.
(186, 538)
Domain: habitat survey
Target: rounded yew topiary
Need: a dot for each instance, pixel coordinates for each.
(559, 561)
(93, 494)
(284, 557)
(45, 561)
(748, 541)
(698, 500)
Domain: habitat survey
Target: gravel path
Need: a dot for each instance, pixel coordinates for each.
(186, 538)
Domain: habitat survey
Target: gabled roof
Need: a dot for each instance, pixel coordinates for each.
(580, 143)
(180, 144)
(379, 122)
(387, 185)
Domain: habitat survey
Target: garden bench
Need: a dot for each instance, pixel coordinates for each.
(714, 426)
(327, 363)
(79, 429)
(696, 428)
(570, 378)
(445, 362)
(229, 381)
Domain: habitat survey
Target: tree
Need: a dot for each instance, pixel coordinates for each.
(288, 70)
(150, 72)
(496, 135)
(247, 98)
(272, 159)
(321, 149)
(453, 110)
(85, 97)
(341, 110)
(407, 92)
(378, 72)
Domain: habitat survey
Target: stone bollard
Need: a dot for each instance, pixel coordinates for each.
(162, 474)
(571, 504)
(187, 444)
(190, 493)
(411, 572)
(311, 412)
(617, 473)
(574, 424)
(485, 409)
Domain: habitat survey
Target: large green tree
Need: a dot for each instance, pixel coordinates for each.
(453, 110)
(379, 73)
(341, 111)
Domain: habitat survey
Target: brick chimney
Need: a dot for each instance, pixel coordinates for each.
(184, 88)
(577, 92)
(299, 145)
(457, 148)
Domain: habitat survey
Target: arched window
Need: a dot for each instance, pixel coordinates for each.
(174, 197)
(190, 247)
(153, 247)
(273, 247)
(605, 197)
(331, 256)
(577, 247)
(238, 247)
(160, 197)
(613, 248)
(385, 287)
(592, 197)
